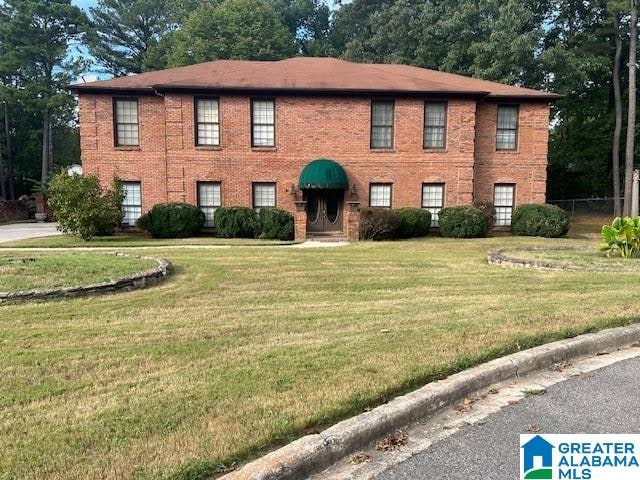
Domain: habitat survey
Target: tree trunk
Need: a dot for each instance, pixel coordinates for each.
(7, 131)
(615, 150)
(46, 131)
(631, 122)
(3, 188)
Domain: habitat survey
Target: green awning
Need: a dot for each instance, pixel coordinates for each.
(323, 173)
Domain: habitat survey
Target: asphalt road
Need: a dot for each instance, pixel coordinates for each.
(603, 401)
(21, 231)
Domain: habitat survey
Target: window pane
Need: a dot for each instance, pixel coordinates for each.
(508, 117)
(503, 216)
(433, 200)
(132, 202)
(264, 135)
(506, 140)
(434, 137)
(435, 114)
(382, 137)
(380, 195)
(263, 111)
(264, 195)
(127, 134)
(503, 202)
(127, 111)
(382, 113)
(207, 111)
(208, 134)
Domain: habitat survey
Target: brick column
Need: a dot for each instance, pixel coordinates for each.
(353, 221)
(300, 221)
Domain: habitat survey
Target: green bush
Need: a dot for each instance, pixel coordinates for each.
(488, 209)
(414, 222)
(237, 222)
(462, 222)
(175, 220)
(540, 221)
(622, 237)
(276, 224)
(142, 222)
(83, 207)
(378, 224)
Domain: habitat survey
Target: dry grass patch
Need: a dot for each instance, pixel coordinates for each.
(244, 348)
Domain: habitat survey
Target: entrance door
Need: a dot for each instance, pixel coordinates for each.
(324, 210)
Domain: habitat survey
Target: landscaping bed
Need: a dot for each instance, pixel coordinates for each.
(243, 349)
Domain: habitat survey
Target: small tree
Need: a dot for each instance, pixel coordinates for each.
(83, 207)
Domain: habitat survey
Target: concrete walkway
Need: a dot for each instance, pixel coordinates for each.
(22, 231)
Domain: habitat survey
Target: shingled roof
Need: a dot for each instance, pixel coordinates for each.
(307, 74)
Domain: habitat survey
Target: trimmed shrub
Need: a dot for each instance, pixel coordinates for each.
(276, 224)
(143, 222)
(378, 224)
(414, 222)
(488, 209)
(540, 220)
(175, 220)
(462, 222)
(237, 222)
(83, 207)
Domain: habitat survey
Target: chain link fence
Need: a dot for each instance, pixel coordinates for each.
(587, 207)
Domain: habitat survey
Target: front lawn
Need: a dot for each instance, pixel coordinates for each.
(244, 348)
(20, 272)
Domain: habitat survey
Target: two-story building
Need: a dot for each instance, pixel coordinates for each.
(316, 136)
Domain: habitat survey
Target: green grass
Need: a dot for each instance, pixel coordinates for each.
(133, 240)
(241, 349)
(20, 272)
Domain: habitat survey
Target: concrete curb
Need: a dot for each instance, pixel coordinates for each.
(131, 282)
(313, 453)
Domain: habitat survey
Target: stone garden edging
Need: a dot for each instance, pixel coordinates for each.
(131, 282)
(499, 257)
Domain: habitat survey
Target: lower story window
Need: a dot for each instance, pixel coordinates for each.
(433, 200)
(209, 199)
(380, 195)
(264, 196)
(131, 203)
(503, 198)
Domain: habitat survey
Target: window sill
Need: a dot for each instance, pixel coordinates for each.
(507, 152)
(128, 148)
(435, 150)
(264, 149)
(212, 148)
(382, 150)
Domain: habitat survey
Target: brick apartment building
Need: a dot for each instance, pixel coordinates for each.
(319, 137)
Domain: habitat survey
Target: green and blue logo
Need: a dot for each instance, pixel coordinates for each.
(537, 459)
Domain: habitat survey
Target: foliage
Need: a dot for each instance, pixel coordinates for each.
(235, 29)
(540, 221)
(378, 224)
(621, 237)
(237, 222)
(142, 223)
(276, 224)
(83, 207)
(488, 209)
(126, 34)
(175, 220)
(414, 222)
(462, 222)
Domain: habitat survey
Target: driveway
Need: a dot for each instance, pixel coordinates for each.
(21, 231)
(603, 401)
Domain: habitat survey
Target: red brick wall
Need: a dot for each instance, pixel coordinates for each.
(526, 166)
(169, 165)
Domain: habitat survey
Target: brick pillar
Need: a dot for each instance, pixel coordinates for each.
(300, 221)
(353, 221)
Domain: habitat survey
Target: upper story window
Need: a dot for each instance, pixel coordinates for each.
(209, 199)
(131, 203)
(125, 119)
(264, 195)
(382, 113)
(503, 200)
(263, 123)
(435, 125)
(433, 200)
(507, 127)
(207, 121)
(380, 195)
